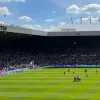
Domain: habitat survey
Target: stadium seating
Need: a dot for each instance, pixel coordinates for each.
(57, 56)
(48, 51)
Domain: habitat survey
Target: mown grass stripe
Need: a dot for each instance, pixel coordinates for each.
(50, 84)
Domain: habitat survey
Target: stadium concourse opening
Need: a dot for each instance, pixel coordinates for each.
(20, 49)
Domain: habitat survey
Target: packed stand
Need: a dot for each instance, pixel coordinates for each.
(13, 60)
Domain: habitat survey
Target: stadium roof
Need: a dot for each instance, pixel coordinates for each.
(76, 30)
(70, 29)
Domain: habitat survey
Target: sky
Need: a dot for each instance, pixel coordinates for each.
(47, 14)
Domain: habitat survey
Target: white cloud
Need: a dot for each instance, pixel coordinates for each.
(39, 27)
(5, 0)
(2, 22)
(87, 20)
(62, 23)
(93, 19)
(13, 1)
(19, 1)
(36, 27)
(49, 28)
(89, 9)
(50, 20)
(4, 11)
(73, 9)
(25, 18)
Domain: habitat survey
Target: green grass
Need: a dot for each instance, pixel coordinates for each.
(51, 84)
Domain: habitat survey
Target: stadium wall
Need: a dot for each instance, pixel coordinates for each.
(78, 27)
(72, 66)
(3, 73)
(76, 30)
(82, 33)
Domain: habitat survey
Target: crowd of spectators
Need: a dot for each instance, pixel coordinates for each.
(82, 55)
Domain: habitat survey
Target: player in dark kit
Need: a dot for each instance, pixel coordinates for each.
(64, 72)
(77, 79)
(86, 70)
(96, 71)
(68, 70)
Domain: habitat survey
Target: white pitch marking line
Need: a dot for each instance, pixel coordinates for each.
(72, 96)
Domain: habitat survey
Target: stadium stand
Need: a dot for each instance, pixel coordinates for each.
(68, 44)
(49, 50)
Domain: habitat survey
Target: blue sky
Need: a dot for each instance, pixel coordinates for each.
(47, 14)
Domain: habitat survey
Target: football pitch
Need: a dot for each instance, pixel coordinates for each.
(51, 84)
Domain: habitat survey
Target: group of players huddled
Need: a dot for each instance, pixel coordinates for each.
(78, 78)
